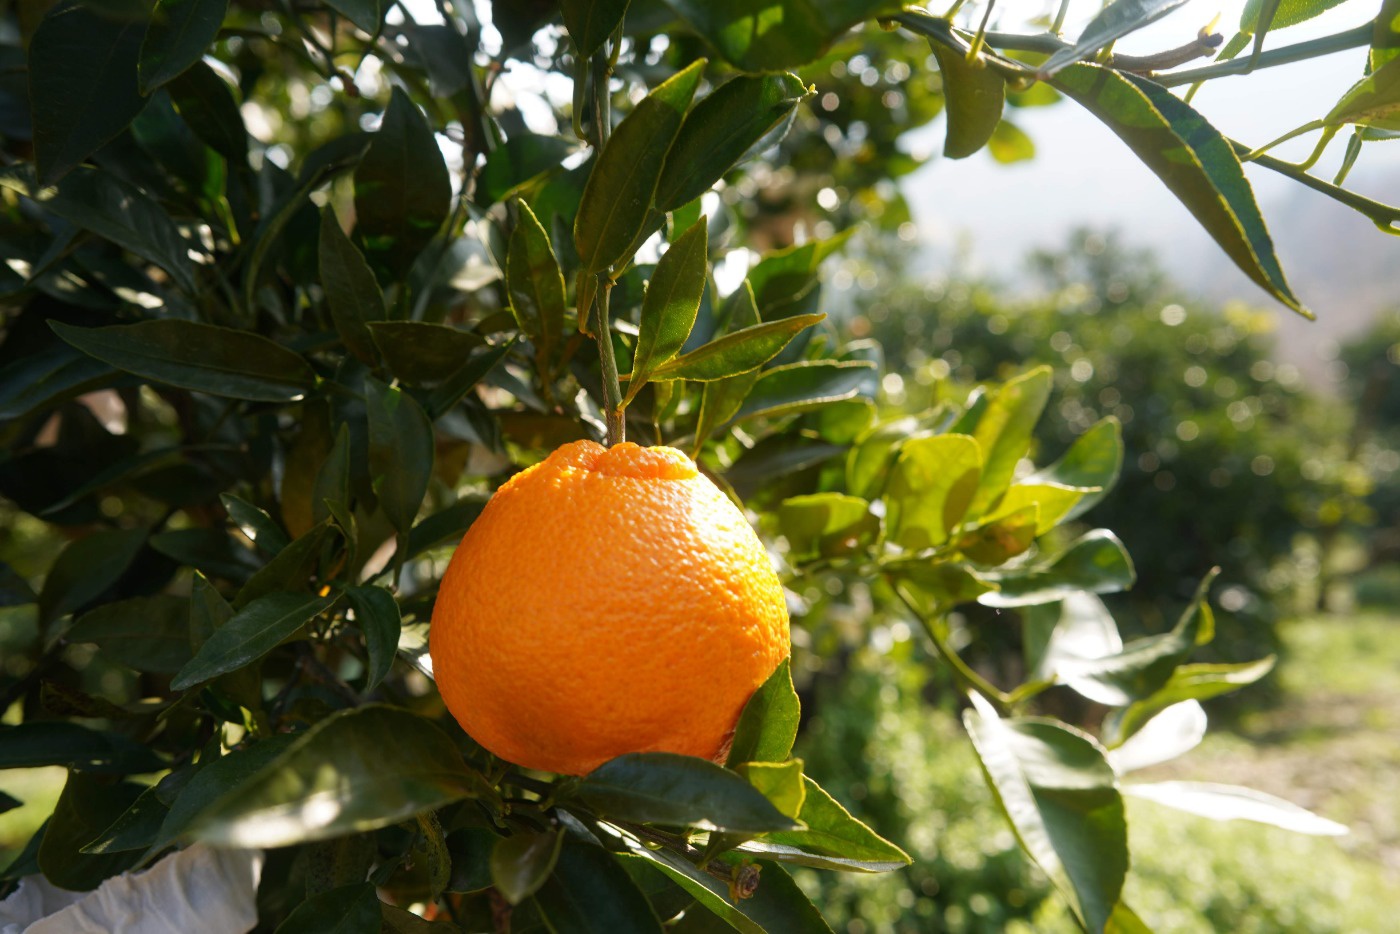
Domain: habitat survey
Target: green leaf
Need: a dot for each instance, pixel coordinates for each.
(780, 782)
(1075, 628)
(359, 769)
(513, 165)
(930, 487)
(1192, 159)
(420, 352)
(198, 357)
(352, 293)
(211, 781)
(1374, 101)
(720, 401)
(367, 14)
(1092, 464)
(145, 633)
(400, 452)
(739, 352)
(1061, 797)
(54, 742)
(1002, 537)
(179, 33)
(779, 35)
(84, 570)
(868, 462)
(208, 611)
(591, 22)
(82, 85)
(205, 102)
(808, 384)
(331, 489)
(1004, 433)
(350, 909)
(402, 192)
(777, 904)
(832, 835)
(445, 525)
(252, 632)
(786, 282)
(522, 862)
(135, 829)
(465, 378)
(377, 615)
(678, 791)
(1096, 562)
(671, 302)
(1009, 143)
(1173, 732)
(975, 97)
(1143, 666)
(1188, 682)
(826, 525)
(590, 892)
(768, 726)
(255, 523)
(934, 587)
(1385, 36)
(617, 199)
(1053, 503)
(720, 130)
(291, 566)
(1288, 12)
(47, 376)
(1230, 802)
(119, 212)
(1113, 22)
(87, 806)
(536, 286)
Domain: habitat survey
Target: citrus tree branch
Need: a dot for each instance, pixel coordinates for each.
(1384, 216)
(1301, 51)
(614, 410)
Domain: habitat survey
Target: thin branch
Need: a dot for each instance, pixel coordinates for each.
(1301, 51)
(1384, 216)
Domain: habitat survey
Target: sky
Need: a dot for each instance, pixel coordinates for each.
(1083, 175)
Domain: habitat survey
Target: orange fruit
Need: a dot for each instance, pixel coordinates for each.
(606, 601)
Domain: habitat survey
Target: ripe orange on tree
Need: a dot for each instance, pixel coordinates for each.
(606, 601)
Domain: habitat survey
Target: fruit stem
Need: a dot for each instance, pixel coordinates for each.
(614, 409)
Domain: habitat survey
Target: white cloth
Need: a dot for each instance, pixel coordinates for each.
(204, 889)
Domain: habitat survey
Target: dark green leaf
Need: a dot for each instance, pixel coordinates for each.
(179, 33)
(145, 633)
(826, 525)
(670, 304)
(1191, 158)
(252, 632)
(446, 525)
(400, 452)
(799, 386)
(292, 565)
(367, 14)
(590, 22)
(49, 742)
(975, 94)
(535, 285)
(87, 806)
(517, 162)
(135, 829)
(199, 357)
(82, 85)
(1113, 22)
(720, 400)
(48, 376)
(739, 352)
(255, 523)
(1187, 682)
(85, 569)
(768, 726)
(1096, 562)
(522, 862)
(377, 615)
(868, 463)
(208, 611)
(14, 590)
(1093, 460)
(357, 770)
(402, 192)
(350, 909)
(720, 129)
(665, 788)
(617, 199)
(211, 551)
(590, 893)
(352, 293)
(117, 211)
(1061, 797)
(833, 833)
(211, 781)
(465, 378)
(206, 103)
(419, 352)
(929, 488)
(781, 35)
(785, 282)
